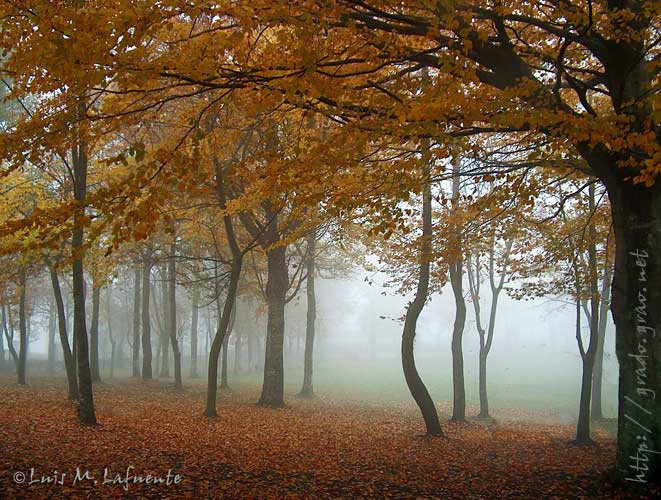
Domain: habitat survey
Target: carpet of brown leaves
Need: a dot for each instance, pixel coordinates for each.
(311, 449)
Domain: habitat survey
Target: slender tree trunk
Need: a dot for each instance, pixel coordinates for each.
(172, 320)
(136, 321)
(51, 336)
(21, 371)
(69, 359)
(238, 344)
(588, 356)
(193, 335)
(113, 342)
(484, 400)
(276, 290)
(86, 414)
(146, 321)
(3, 358)
(456, 279)
(6, 320)
(165, 331)
(413, 381)
(307, 390)
(94, 335)
(597, 374)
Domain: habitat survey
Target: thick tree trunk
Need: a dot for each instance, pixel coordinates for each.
(94, 335)
(69, 359)
(86, 414)
(193, 335)
(136, 322)
(597, 374)
(413, 381)
(51, 337)
(172, 320)
(21, 370)
(146, 320)
(636, 307)
(307, 390)
(276, 290)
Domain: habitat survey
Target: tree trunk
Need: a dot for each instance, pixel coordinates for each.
(307, 390)
(413, 381)
(172, 320)
(636, 308)
(136, 322)
(484, 400)
(86, 414)
(456, 279)
(193, 329)
(3, 358)
(6, 319)
(21, 371)
(597, 374)
(69, 359)
(238, 344)
(146, 321)
(219, 337)
(94, 335)
(51, 337)
(165, 331)
(276, 290)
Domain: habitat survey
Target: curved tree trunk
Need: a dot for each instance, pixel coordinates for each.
(223, 370)
(69, 360)
(94, 335)
(413, 381)
(456, 279)
(146, 320)
(136, 322)
(307, 390)
(6, 319)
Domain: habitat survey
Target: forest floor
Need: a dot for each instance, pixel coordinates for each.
(323, 448)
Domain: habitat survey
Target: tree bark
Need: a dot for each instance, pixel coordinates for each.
(86, 414)
(226, 340)
(21, 370)
(165, 330)
(136, 322)
(6, 319)
(51, 337)
(636, 308)
(597, 374)
(276, 290)
(456, 279)
(172, 320)
(3, 358)
(146, 320)
(307, 390)
(94, 335)
(413, 381)
(69, 359)
(193, 329)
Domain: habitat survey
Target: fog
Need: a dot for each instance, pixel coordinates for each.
(534, 362)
